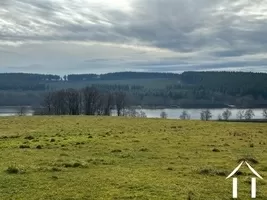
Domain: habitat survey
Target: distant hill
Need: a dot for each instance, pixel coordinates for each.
(121, 76)
(189, 89)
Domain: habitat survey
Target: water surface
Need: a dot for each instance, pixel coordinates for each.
(151, 113)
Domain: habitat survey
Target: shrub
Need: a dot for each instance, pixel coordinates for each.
(144, 149)
(116, 151)
(12, 170)
(24, 146)
(215, 150)
(249, 159)
(213, 172)
(29, 137)
(54, 177)
(55, 169)
(190, 195)
(74, 165)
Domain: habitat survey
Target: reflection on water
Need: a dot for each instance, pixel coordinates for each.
(151, 113)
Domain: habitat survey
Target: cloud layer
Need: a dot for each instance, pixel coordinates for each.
(80, 36)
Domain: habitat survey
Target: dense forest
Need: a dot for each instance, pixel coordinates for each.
(121, 76)
(189, 89)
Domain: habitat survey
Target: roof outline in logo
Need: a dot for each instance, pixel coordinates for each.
(237, 168)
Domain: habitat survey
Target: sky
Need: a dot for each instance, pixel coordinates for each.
(101, 36)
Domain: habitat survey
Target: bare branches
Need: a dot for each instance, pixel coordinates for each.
(88, 101)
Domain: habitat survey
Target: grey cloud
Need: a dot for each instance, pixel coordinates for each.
(174, 24)
(219, 29)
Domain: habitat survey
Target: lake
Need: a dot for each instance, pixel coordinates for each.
(151, 113)
(13, 111)
(195, 113)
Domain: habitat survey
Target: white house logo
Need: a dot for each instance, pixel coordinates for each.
(253, 180)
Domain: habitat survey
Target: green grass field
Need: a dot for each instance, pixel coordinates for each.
(84, 158)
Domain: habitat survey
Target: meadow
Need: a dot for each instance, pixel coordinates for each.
(113, 158)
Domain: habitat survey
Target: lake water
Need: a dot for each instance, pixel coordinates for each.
(13, 111)
(151, 113)
(195, 113)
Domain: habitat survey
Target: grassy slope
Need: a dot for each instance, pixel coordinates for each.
(119, 158)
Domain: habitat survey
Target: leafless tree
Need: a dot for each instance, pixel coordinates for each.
(143, 114)
(22, 111)
(249, 114)
(240, 114)
(163, 115)
(120, 101)
(185, 115)
(108, 101)
(226, 114)
(91, 97)
(72, 101)
(264, 113)
(59, 103)
(205, 115)
(48, 103)
(130, 113)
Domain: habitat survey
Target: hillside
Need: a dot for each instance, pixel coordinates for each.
(189, 89)
(56, 158)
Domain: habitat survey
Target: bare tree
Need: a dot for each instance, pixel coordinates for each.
(133, 113)
(120, 101)
(249, 114)
(185, 115)
(264, 113)
(72, 101)
(100, 105)
(91, 97)
(130, 112)
(104, 104)
(205, 115)
(219, 117)
(81, 106)
(163, 115)
(48, 103)
(226, 114)
(22, 111)
(143, 114)
(108, 100)
(59, 103)
(240, 114)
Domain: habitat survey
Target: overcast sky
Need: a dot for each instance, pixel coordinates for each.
(99, 36)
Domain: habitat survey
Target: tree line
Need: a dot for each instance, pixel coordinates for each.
(206, 115)
(228, 83)
(186, 90)
(121, 76)
(86, 101)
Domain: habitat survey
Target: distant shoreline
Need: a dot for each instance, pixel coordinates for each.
(199, 106)
(244, 120)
